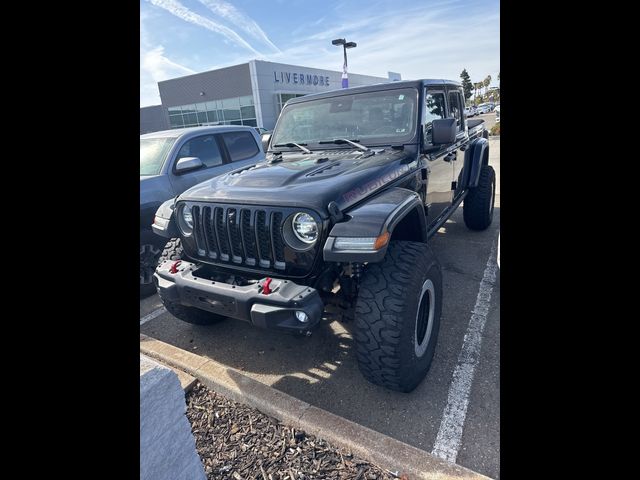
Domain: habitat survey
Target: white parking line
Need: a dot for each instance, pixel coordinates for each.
(449, 435)
(152, 315)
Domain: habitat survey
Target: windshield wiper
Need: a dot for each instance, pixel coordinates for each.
(341, 141)
(292, 144)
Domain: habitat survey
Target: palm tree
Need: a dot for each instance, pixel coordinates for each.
(487, 82)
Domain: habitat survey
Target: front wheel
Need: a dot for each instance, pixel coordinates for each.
(173, 251)
(397, 316)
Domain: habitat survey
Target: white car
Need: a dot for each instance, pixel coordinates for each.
(484, 108)
(497, 110)
(471, 111)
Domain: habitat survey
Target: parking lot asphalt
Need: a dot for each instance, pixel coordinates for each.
(322, 369)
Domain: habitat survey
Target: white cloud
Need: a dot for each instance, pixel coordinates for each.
(239, 19)
(433, 41)
(176, 8)
(155, 66)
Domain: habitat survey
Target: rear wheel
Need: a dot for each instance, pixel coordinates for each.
(173, 251)
(478, 204)
(397, 316)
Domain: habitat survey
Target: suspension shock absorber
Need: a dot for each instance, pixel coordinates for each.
(357, 269)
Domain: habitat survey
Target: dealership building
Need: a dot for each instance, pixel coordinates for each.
(251, 93)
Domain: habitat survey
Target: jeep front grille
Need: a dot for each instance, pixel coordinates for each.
(245, 236)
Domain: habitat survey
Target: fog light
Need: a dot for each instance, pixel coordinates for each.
(302, 317)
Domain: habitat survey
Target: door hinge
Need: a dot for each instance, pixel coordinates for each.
(454, 185)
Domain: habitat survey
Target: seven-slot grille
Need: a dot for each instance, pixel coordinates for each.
(239, 235)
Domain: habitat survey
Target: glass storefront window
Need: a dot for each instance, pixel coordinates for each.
(246, 101)
(248, 112)
(231, 103)
(190, 119)
(228, 111)
(212, 115)
(188, 109)
(175, 121)
(231, 114)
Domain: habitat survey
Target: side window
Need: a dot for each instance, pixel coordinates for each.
(205, 148)
(241, 145)
(433, 109)
(455, 108)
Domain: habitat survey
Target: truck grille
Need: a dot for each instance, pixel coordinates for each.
(244, 236)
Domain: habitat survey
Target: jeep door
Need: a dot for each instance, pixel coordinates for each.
(455, 103)
(439, 167)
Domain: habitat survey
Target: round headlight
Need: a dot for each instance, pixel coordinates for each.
(305, 227)
(187, 216)
(185, 220)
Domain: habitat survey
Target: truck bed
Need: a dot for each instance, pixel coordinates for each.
(474, 122)
(476, 128)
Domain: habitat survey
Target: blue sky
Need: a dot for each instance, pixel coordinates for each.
(419, 39)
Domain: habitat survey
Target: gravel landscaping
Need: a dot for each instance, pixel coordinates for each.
(238, 442)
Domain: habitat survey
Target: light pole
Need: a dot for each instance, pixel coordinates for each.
(345, 45)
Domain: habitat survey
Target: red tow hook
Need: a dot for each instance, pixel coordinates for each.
(174, 267)
(266, 289)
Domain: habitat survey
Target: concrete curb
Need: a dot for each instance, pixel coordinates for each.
(377, 448)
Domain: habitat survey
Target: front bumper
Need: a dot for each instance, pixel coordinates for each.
(276, 310)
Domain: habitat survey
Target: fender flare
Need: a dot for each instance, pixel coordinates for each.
(473, 159)
(371, 219)
(164, 223)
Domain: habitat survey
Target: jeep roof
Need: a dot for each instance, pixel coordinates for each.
(376, 87)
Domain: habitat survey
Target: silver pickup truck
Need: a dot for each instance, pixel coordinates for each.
(172, 161)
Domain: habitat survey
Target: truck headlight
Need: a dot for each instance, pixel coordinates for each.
(305, 227)
(185, 220)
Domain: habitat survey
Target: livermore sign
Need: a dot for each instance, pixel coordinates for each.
(300, 78)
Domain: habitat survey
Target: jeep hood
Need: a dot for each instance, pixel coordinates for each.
(313, 180)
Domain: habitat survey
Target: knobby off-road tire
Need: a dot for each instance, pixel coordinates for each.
(173, 251)
(150, 250)
(397, 316)
(478, 204)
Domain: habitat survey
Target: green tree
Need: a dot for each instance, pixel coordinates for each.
(487, 82)
(467, 86)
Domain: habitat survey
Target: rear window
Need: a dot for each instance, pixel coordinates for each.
(241, 145)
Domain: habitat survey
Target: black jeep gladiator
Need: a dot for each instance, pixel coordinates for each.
(340, 212)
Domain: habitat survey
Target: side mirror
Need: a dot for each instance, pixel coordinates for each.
(186, 164)
(443, 131)
(265, 141)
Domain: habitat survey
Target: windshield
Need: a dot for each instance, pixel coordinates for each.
(153, 152)
(386, 116)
